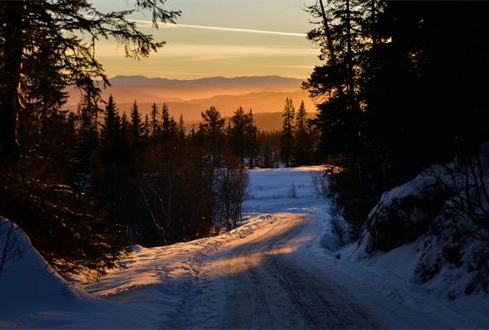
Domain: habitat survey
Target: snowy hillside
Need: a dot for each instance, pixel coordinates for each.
(274, 271)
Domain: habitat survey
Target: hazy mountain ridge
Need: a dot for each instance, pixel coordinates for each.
(263, 94)
(251, 81)
(126, 89)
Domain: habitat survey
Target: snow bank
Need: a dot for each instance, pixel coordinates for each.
(406, 212)
(421, 232)
(27, 283)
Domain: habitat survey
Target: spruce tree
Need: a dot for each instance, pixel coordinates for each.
(267, 157)
(211, 131)
(110, 131)
(287, 135)
(251, 144)
(146, 129)
(181, 128)
(303, 142)
(88, 133)
(168, 125)
(136, 129)
(237, 132)
(155, 124)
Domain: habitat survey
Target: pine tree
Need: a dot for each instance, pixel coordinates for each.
(287, 135)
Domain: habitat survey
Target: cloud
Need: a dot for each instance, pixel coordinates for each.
(146, 23)
(211, 51)
(183, 52)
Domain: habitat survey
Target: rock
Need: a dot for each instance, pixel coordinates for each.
(405, 213)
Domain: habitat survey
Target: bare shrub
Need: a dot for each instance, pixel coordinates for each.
(320, 183)
(467, 181)
(322, 186)
(339, 228)
(230, 189)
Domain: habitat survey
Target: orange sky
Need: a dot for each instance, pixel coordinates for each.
(220, 38)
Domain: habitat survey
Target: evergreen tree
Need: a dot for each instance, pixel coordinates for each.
(211, 131)
(124, 149)
(136, 129)
(303, 141)
(267, 157)
(168, 124)
(110, 131)
(251, 144)
(50, 32)
(146, 129)
(181, 128)
(287, 135)
(237, 133)
(155, 124)
(88, 133)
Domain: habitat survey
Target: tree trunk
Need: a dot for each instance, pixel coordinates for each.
(349, 58)
(10, 78)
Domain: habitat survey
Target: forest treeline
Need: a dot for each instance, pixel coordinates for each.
(402, 85)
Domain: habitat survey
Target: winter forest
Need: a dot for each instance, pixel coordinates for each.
(169, 164)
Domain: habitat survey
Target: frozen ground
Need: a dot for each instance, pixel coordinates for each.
(272, 272)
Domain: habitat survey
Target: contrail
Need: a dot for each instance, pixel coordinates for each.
(228, 29)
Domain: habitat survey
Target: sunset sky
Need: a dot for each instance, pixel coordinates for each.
(220, 38)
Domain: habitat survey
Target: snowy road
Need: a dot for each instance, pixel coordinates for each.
(280, 278)
(266, 286)
(277, 270)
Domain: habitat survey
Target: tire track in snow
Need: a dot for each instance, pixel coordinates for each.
(273, 294)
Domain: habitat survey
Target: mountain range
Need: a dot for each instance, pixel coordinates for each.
(263, 94)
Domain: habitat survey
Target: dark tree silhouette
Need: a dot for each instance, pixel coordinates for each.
(287, 137)
(49, 33)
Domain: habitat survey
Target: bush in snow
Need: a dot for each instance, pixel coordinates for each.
(320, 182)
(353, 199)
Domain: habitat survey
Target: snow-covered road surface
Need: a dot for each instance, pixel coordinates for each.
(265, 285)
(274, 271)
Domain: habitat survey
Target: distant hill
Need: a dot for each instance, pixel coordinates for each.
(265, 95)
(126, 89)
